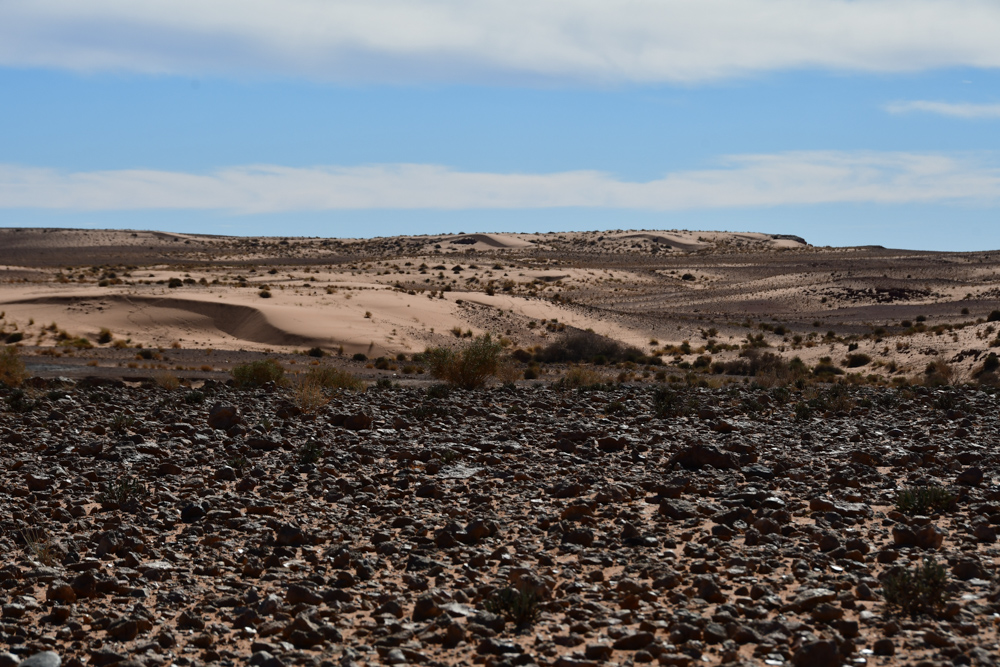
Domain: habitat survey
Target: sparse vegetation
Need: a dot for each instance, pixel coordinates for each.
(472, 366)
(12, 370)
(517, 606)
(122, 422)
(920, 590)
(125, 492)
(38, 547)
(328, 377)
(588, 346)
(670, 402)
(580, 377)
(857, 360)
(167, 381)
(924, 500)
(311, 452)
(258, 373)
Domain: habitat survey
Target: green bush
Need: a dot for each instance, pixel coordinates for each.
(258, 373)
(12, 370)
(923, 499)
(469, 368)
(921, 590)
(328, 377)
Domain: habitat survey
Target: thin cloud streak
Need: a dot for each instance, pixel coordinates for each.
(413, 41)
(953, 109)
(799, 178)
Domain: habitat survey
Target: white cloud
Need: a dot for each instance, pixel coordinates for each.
(483, 41)
(957, 110)
(800, 178)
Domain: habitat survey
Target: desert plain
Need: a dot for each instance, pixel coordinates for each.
(700, 448)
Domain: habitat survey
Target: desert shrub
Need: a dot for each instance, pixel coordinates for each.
(194, 398)
(938, 373)
(309, 396)
(174, 283)
(316, 352)
(986, 375)
(385, 384)
(105, 336)
(994, 316)
(857, 360)
(991, 363)
(12, 370)
(580, 378)
(753, 362)
(670, 402)
(587, 346)
(122, 422)
(125, 492)
(167, 381)
(924, 499)
(472, 366)
(360, 356)
(438, 391)
(39, 547)
(328, 377)
(15, 337)
(521, 355)
(79, 343)
(826, 369)
(836, 398)
(311, 452)
(531, 372)
(19, 401)
(264, 294)
(257, 373)
(921, 590)
(518, 606)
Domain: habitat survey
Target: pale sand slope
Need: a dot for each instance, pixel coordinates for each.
(374, 320)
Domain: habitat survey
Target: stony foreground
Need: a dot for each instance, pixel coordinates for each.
(143, 526)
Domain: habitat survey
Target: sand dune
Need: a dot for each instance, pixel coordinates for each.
(121, 311)
(651, 288)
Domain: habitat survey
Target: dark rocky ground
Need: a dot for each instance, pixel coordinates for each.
(746, 526)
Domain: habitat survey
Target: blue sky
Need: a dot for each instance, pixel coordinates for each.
(848, 122)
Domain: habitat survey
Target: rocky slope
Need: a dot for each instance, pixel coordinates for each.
(142, 526)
